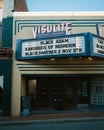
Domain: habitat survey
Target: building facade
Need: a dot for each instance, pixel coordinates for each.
(5, 68)
(55, 56)
(7, 7)
(58, 55)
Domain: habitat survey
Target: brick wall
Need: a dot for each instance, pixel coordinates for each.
(1, 3)
(20, 5)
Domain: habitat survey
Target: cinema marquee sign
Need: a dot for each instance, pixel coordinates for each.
(85, 44)
(98, 46)
(51, 30)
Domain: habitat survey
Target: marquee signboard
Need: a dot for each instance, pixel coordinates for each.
(61, 46)
(84, 44)
(98, 46)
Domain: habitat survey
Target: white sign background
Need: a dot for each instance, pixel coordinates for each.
(98, 44)
(55, 46)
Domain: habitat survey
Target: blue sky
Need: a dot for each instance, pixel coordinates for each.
(65, 5)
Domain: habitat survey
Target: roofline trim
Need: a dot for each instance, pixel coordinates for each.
(79, 13)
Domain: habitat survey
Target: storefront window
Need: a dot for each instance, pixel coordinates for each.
(97, 90)
(43, 90)
(69, 93)
(84, 88)
(82, 92)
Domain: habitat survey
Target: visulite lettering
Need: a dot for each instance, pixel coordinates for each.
(49, 28)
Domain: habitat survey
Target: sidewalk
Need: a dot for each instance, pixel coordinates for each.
(58, 117)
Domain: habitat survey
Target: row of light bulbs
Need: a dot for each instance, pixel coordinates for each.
(89, 58)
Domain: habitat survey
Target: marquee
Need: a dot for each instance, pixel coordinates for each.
(73, 45)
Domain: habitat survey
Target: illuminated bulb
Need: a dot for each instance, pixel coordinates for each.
(52, 59)
(80, 57)
(90, 58)
(70, 58)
